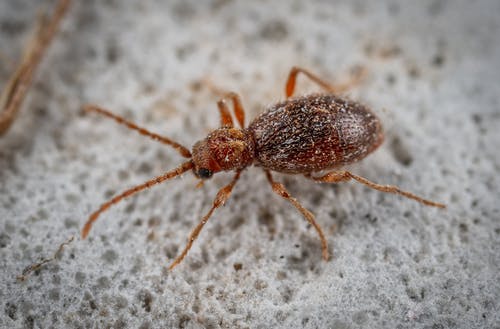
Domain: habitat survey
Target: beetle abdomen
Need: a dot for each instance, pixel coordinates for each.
(313, 133)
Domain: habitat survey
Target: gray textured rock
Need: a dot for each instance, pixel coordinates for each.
(433, 80)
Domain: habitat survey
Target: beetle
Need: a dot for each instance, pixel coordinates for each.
(302, 135)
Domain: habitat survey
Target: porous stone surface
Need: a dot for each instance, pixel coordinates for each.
(433, 69)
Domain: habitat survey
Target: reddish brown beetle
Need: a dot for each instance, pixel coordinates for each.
(301, 135)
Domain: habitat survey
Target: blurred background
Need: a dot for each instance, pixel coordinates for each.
(433, 70)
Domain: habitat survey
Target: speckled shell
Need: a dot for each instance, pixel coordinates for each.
(313, 133)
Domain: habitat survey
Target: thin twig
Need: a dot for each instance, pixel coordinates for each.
(33, 267)
(19, 83)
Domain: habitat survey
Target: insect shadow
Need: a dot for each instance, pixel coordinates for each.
(301, 135)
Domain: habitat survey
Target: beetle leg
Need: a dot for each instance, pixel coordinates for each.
(239, 112)
(220, 199)
(334, 89)
(131, 191)
(238, 109)
(342, 176)
(280, 189)
(178, 147)
(225, 116)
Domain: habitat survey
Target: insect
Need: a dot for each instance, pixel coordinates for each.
(302, 135)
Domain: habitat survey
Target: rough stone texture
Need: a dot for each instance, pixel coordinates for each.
(433, 80)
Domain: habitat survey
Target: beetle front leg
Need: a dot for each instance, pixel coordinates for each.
(225, 116)
(342, 176)
(280, 189)
(239, 111)
(220, 199)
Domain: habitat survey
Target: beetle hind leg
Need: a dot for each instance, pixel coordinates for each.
(343, 176)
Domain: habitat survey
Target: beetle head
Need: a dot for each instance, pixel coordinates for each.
(223, 149)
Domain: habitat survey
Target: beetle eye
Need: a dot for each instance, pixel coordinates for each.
(205, 173)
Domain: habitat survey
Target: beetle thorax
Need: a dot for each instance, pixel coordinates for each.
(222, 150)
